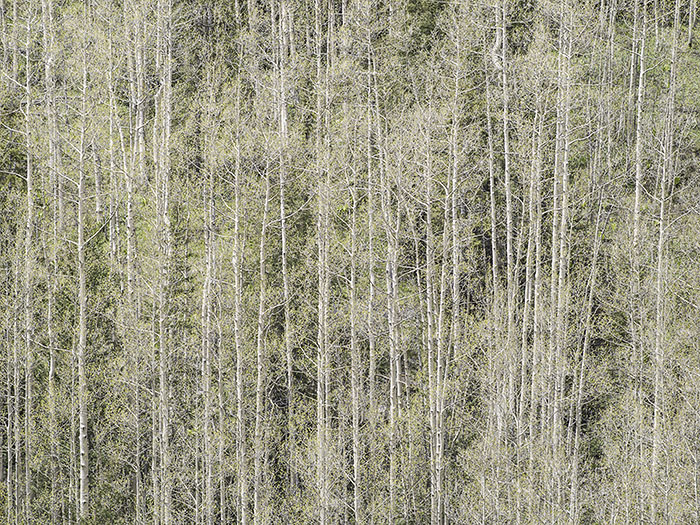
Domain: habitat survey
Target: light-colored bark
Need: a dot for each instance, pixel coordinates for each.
(206, 314)
(510, 270)
(82, 291)
(237, 263)
(161, 160)
(286, 298)
(494, 388)
(355, 361)
(258, 502)
(538, 361)
(322, 224)
(635, 301)
(28, 277)
(130, 166)
(370, 225)
(667, 177)
(391, 228)
(49, 84)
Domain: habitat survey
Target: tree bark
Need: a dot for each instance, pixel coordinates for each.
(291, 427)
(28, 277)
(260, 360)
(82, 291)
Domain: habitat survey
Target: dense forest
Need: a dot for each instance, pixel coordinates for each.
(349, 261)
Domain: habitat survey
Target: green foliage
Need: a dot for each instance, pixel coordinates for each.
(550, 394)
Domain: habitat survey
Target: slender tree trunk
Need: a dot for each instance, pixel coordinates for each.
(113, 196)
(9, 395)
(667, 174)
(237, 263)
(161, 159)
(355, 361)
(562, 284)
(556, 297)
(494, 388)
(206, 320)
(82, 289)
(132, 316)
(49, 84)
(223, 514)
(260, 359)
(527, 358)
(322, 170)
(16, 365)
(238, 298)
(431, 337)
(441, 356)
(391, 226)
(370, 232)
(28, 277)
(510, 273)
(291, 427)
(635, 301)
(537, 388)
(12, 412)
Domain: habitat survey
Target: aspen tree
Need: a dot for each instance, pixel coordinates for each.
(562, 297)
(635, 300)
(430, 326)
(510, 276)
(323, 173)
(7, 455)
(237, 263)
(370, 214)
(113, 200)
(82, 286)
(638, 164)
(161, 158)
(50, 107)
(441, 357)
(221, 455)
(131, 166)
(527, 300)
(137, 87)
(456, 336)
(28, 274)
(17, 493)
(73, 481)
(667, 177)
(9, 406)
(391, 228)
(356, 370)
(555, 244)
(493, 390)
(537, 388)
(260, 361)
(206, 315)
(282, 60)
(157, 356)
